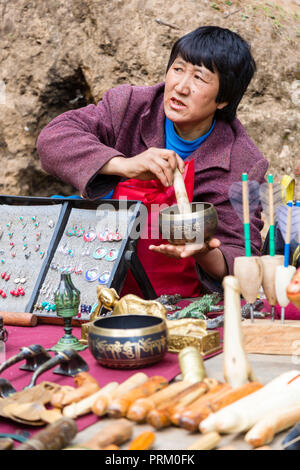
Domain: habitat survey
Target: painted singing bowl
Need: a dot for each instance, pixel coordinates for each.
(128, 341)
(197, 227)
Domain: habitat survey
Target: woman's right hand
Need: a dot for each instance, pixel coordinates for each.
(154, 163)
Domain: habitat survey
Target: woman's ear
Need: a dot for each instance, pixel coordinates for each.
(222, 105)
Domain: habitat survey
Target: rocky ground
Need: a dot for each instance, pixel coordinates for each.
(58, 55)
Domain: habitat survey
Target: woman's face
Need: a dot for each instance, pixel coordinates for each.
(190, 98)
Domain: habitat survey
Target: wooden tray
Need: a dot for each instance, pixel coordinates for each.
(267, 337)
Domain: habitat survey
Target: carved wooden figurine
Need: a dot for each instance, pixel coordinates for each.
(236, 367)
(269, 266)
(249, 272)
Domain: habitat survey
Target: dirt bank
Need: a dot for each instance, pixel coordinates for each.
(60, 55)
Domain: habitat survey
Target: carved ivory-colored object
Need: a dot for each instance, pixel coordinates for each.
(236, 367)
(283, 275)
(248, 270)
(181, 194)
(269, 266)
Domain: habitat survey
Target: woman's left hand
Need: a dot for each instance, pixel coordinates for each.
(184, 251)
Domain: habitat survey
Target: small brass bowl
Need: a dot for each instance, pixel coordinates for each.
(197, 227)
(128, 341)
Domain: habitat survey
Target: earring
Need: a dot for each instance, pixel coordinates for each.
(99, 253)
(112, 254)
(117, 236)
(91, 275)
(103, 236)
(86, 251)
(90, 235)
(78, 270)
(21, 219)
(2, 293)
(21, 290)
(104, 277)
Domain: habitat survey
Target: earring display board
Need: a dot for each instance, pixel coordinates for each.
(40, 238)
(26, 233)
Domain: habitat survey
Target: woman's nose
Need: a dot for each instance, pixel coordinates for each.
(182, 85)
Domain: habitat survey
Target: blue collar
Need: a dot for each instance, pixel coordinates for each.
(182, 147)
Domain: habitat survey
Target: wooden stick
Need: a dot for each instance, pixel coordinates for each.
(115, 433)
(54, 437)
(140, 408)
(183, 203)
(111, 447)
(193, 419)
(187, 418)
(208, 441)
(19, 319)
(119, 406)
(85, 406)
(287, 244)
(160, 417)
(242, 415)
(246, 214)
(143, 441)
(102, 402)
(263, 432)
(87, 386)
(175, 412)
(272, 218)
(271, 199)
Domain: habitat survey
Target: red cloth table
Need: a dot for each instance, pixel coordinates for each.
(47, 336)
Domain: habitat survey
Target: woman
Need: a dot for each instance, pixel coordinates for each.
(140, 135)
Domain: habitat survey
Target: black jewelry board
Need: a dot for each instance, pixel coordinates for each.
(41, 266)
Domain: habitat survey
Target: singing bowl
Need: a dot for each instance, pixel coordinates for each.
(196, 227)
(128, 341)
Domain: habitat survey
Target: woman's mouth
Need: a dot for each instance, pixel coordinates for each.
(176, 104)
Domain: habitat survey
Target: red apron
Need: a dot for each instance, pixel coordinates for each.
(167, 275)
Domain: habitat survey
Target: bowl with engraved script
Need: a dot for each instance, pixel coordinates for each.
(128, 341)
(196, 227)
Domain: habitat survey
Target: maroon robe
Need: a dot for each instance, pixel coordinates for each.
(128, 120)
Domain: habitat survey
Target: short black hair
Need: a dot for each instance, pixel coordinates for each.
(225, 52)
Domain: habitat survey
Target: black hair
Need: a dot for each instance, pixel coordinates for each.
(223, 52)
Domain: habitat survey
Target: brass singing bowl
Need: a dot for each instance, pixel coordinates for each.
(128, 341)
(196, 227)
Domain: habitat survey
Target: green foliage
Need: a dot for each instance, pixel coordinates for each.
(215, 6)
